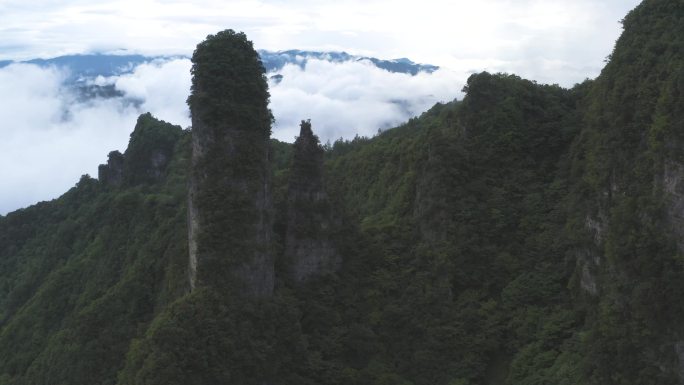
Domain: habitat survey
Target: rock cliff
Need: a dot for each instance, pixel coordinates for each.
(308, 246)
(147, 157)
(627, 185)
(230, 206)
(111, 174)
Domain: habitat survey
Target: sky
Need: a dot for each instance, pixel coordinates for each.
(556, 41)
(51, 138)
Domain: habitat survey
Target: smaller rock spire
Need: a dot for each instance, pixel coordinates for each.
(309, 249)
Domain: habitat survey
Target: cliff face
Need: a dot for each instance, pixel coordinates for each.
(151, 147)
(308, 247)
(627, 185)
(111, 174)
(527, 234)
(673, 186)
(230, 207)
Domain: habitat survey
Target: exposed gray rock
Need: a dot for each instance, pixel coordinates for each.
(589, 258)
(111, 174)
(193, 231)
(199, 143)
(588, 279)
(158, 162)
(597, 227)
(258, 273)
(679, 351)
(673, 186)
(254, 274)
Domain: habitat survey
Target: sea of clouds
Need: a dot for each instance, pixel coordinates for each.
(52, 135)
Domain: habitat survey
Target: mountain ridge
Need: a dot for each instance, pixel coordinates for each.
(527, 234)
(91, 65)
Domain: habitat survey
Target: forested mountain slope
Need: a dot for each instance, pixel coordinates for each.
(528, 234)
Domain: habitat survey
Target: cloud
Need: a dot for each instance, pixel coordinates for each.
(162, 86)
(51, 136)
(345, 99)
(48, 139)
(497, 34)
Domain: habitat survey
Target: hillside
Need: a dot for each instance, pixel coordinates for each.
(527, 234)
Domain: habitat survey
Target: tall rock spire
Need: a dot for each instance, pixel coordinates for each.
(230, 206)
(308, 247)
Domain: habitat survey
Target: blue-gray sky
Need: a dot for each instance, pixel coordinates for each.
(551, 40)
(43, 153)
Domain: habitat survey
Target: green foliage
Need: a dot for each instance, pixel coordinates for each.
(439, 283)
(630, 138)
(230, 175)
(229, 87)
(150, 150)
(472, 237)
(84, 274)
(204, 338)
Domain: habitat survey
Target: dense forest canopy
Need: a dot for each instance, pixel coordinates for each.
(527, 234)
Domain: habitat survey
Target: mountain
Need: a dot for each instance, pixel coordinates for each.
(90, 66)
(527, 234)
(275, 61)
(83, 71)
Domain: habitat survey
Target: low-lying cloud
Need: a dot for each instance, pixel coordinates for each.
(52, 135)
(162, 87)
(345, 99)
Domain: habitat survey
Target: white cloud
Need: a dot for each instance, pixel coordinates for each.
(501, 35)
(49, 141)
(50, 138)
(162, 86)
(344, 99)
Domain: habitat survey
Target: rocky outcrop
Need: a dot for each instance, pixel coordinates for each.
(673, 186)
(111, 174)
(589, 256)
(588, 264)
(309, 249)
(147, 157)
(230, 205)
(150, 150)
(679, 351)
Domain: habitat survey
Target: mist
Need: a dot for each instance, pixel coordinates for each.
(53, 136)
(354, 98)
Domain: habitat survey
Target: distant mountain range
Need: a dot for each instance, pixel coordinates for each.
(92, 65)
(274, 61)
(82, 67)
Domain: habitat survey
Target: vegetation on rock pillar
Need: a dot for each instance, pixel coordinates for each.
(150, 150)
(230, 202)
(308, 247)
